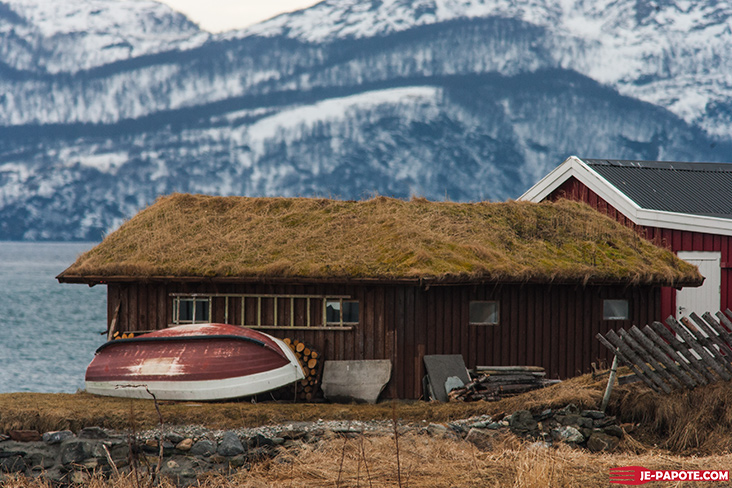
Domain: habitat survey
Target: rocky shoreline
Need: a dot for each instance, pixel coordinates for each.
(190, 452)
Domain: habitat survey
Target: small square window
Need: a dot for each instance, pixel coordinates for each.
(341, 312)
(192, 310)
(615, 310)
(484, 313)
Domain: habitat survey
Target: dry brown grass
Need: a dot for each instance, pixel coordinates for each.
(685, 422)
(194, 235)
(432, 462)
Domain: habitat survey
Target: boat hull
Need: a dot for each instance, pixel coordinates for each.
(193, 362)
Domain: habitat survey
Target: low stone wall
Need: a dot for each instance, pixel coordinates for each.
(189, 452)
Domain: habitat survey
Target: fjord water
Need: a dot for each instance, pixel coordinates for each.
(48, 331)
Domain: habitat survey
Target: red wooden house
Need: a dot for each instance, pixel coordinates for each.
(513, 283)
(684, 207)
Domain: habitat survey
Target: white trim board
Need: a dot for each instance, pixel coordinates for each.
(574, 166)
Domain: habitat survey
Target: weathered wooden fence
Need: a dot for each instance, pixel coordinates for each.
(695, 352)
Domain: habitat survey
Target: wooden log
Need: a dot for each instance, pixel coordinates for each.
(667, 367)
(680, 361)
(705, 356)
(682, 349)
(658, 385)
(312, 363)
(299, 347)
(537, 369)
(287, 341)
(627, 361)
(724, 352)
(306, 352)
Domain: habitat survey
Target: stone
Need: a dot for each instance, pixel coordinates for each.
(522, 422)
(260, 440)
(614, 430)
(593, 414)
(57, 437)
(230, 445)
(601, 442)
(12, 464)
(75, 451)
(79, 477)
(570, 409)
(174, 437)
(40, 460)
(204, 447)
(185, 445)
(238, 461)
(171, 464)
(481, 438)
(568, 434)
(25, 435)
(93, 433)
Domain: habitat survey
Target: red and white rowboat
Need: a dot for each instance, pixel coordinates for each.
(193, 362)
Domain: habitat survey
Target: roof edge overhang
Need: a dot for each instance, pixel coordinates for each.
(575, 167)
(416, 281)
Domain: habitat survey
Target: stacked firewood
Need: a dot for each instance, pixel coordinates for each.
(492, 383)
(312, 365)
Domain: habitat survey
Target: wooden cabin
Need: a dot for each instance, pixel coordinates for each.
(684, 207)
(513, 283)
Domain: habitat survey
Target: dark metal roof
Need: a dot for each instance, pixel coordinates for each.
(689, 188)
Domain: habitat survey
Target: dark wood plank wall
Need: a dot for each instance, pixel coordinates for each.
(553, 326)
(675, 240)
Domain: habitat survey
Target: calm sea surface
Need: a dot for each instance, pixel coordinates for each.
(48, 331)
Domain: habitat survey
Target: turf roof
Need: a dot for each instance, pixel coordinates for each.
(185, 236)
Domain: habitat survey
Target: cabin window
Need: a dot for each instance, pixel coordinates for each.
(615, 310)
(191, 310)
(341, 312)
(484, 312)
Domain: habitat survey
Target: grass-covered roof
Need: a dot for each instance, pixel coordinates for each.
(187, 236)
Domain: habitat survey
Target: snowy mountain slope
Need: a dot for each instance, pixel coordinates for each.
(464, 138)
(458, 99)
(671, 53)
(50, 36)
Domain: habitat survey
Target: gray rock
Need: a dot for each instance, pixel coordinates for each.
(75, 451)
(12, 464)
(593, 414)
(481, 438)
(522, 422)
(174, 437)
(260, 440)
(600, 442)
(570, 409)
(57, 437)
(614, 430)
(230, 445)
(567, 433)
(203, 447)
(93, 433)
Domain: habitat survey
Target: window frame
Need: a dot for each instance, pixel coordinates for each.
(341, 301)
(617, 300)
(496, 312)
(194, 299)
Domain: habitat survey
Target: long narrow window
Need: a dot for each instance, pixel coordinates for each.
(267, 311)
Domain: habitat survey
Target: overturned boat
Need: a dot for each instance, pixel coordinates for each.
(193, 362)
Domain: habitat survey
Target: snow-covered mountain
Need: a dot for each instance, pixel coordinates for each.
(458, 99)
